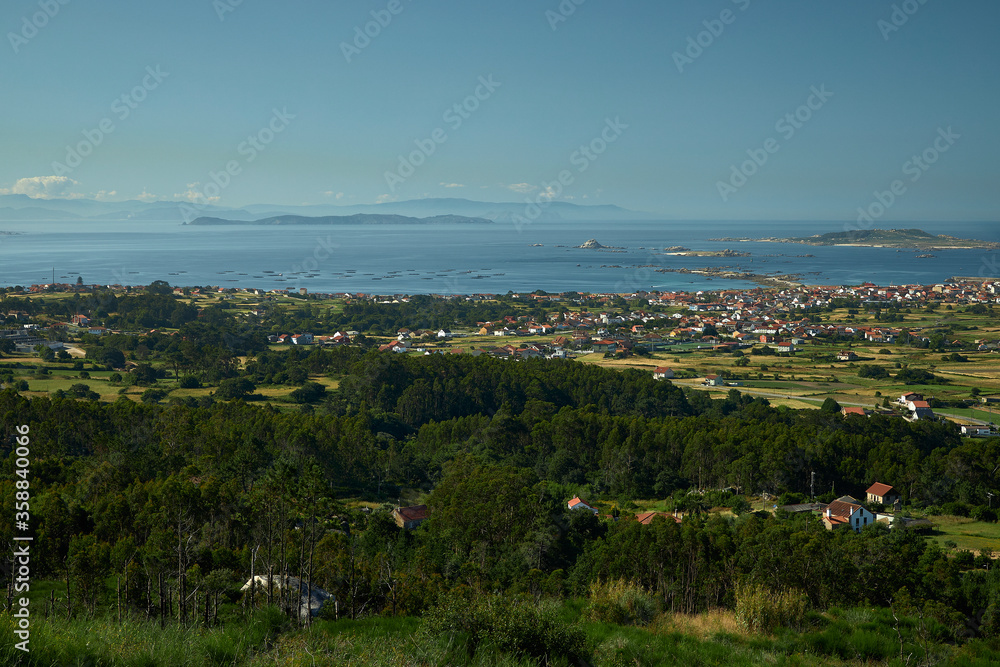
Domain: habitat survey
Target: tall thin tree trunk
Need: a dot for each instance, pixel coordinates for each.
(69, 599)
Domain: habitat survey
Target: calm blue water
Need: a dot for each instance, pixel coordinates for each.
(458, 259)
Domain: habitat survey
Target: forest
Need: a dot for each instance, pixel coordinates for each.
(151, 516)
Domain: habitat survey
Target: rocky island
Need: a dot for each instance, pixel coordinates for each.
(707, 253)
(916, 239)
(592, 244)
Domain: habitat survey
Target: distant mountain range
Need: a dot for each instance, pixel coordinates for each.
(356, 219)
(22, 207)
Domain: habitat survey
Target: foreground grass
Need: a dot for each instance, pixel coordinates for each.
(838, 637)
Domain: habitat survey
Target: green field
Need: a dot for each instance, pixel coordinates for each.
(967, 533)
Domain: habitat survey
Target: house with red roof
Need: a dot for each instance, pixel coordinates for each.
(882, 494)
(662, 373)
(409, 518)
(847, 512)
(919, 410)
(577, 504)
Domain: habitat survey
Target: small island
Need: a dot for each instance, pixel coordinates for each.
(707, 253)
(916, 239)
(592, 244)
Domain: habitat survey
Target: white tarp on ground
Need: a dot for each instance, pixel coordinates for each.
(309, 602)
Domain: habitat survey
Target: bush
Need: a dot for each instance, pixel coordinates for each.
(759, 609)
(235, 388)
(189, 382)
(791, 498)
(874, 372)
(621, 603)
(308, 393)
(507, 623)
(740, 505)
(956, 508)
(153, 396)
(985, 514)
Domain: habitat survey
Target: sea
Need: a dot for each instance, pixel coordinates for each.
(467, 258)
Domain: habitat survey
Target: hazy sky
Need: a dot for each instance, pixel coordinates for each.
(711, 109)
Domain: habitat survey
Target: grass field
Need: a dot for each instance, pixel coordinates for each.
(966, 533)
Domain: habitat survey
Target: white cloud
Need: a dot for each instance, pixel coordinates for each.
(381, 199)
(146, 196)
(547, 193)
(43, 187)
(523, 188)
(103, 195)
(194, 195)
(453, 185)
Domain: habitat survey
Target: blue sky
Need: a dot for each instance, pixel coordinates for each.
(669, 127)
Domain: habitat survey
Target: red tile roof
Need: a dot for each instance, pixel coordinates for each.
(879, 489)
(838, 508)
(413, 513)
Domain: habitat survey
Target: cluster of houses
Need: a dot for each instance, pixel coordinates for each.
(849, 513)
(338, 338)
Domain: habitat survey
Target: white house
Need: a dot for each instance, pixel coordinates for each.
(849, 512)
(662, 373)
(577, 504)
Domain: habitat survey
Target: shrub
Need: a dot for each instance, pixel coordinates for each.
(985, 514)
(153, 396)
(759, 609)
(956, 508)
(308, 393)
(235, 388)
(189, 382)
(622, 603)
(507, 623)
